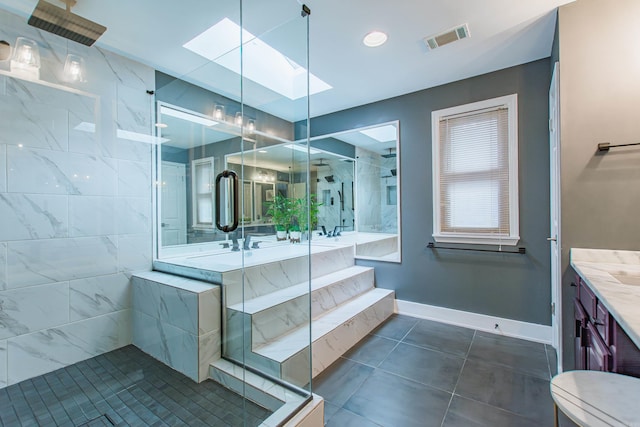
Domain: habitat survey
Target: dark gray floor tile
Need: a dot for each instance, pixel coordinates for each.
(372, 350)
(469, 413)
(511, 390)
(395, 327)
(525, 356)
(442, 337)
(433, 368)
(329, 410)
(344, 418)
(337, 383)
(389, 400)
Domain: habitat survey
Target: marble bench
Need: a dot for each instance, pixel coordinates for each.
(594, 398)
(177, 321)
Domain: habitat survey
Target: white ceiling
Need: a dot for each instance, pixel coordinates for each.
(504, 33)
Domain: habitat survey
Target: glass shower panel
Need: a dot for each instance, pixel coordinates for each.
(246, 95)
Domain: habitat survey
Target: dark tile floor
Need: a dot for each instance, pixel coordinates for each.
(125, 387)
(412, 372)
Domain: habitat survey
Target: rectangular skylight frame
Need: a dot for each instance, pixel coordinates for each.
(221, 42)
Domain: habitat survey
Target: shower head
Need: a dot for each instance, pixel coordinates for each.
(329, 178)
(390, 155)
(64, 23)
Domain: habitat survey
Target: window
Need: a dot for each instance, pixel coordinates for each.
(475, 173)
(202, 192)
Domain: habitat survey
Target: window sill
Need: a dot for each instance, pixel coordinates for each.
(477, 240)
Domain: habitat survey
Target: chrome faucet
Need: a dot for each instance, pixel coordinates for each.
(247, 241)
(336, 231)
(234, 239)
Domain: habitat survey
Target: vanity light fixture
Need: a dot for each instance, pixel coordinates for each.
(238, 119)
(5, 50)
(74, 69)
(251, 125)
(218, 112)
(375, 38)
(26, 58)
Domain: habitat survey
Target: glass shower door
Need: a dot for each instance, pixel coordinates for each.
(234, 129)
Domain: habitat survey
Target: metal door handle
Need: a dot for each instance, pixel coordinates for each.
(234, 176)
(552, 239)
(164, 224)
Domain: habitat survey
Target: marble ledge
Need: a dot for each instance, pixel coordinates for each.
(614, 276)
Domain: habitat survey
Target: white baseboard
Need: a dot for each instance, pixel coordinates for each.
(481, 322)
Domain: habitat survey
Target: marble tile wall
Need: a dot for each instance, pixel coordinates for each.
(331, 215)
(373, 176)
(75, 203)
(177, 321)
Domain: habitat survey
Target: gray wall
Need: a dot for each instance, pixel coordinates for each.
(510, 286)
(600, 101)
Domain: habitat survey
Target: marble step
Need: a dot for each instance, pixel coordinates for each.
(332, 335)
(268, 394)
(277, 313)
(263, 279)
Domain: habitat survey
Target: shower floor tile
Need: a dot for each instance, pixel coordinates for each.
(125, 387)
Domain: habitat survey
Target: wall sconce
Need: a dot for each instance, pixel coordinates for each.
(26, 58)
(218, 112)
(5, 50)
(238, 119)
(74, 69)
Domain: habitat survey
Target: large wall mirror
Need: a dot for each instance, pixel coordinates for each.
(353, 183)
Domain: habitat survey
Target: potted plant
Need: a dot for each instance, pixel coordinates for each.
(295, 233)
(280, 211)
(300, 209)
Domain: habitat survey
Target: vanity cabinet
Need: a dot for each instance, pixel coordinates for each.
(600, 342)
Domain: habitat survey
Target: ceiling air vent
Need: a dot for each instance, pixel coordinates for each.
(450, 36)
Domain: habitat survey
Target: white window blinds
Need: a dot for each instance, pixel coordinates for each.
(474, 187)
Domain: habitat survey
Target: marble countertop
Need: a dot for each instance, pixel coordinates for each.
(593, 398)
(614, 276)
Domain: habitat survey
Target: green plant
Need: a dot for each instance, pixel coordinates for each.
(280, 210)
(300, 211)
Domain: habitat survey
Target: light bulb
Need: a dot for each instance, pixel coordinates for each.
(238, 120)
(218, 112)
(74, 68)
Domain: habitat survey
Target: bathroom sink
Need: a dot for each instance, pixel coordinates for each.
(628, 279)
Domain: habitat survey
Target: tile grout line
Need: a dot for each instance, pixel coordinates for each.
(453, 392)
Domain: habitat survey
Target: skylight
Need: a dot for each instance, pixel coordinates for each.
(302, 148)
(381, 133)
(220, 44)
(189, 117)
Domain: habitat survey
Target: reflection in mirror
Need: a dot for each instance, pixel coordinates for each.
(354, 183)
(371, 207)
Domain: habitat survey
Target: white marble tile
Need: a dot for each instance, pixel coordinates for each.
(209, 307)
(134, 179)
(92, 216)
(146, 296)
(98, 295)
(133, 110)
(179, 308)
(29, 93)
(113, 67)
(40, 352)
(3, 266)
(133, 215)
(34, 308)
(134, 252)
(209, 350)
(37, 262)
(167, 343)
(185, 283)
(87, 142)
(33, 125)
(33, 216)
(3, 168)
(3, 363)
(54, 172)
(133, 150)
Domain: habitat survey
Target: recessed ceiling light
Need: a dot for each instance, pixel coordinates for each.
(375, 39)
